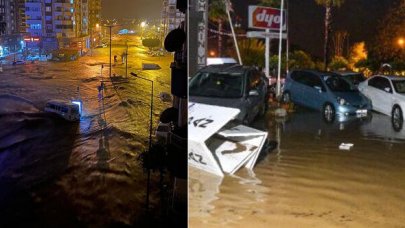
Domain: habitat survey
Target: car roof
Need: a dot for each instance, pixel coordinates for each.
(347, 73)
(61, 102)
(225, 68)
(391, 77)
(317, 72)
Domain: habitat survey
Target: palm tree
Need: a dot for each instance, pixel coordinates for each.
(270, 3)
(252, 52)
(328, 4)
(217, 13)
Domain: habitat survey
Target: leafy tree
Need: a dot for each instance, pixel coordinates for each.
(328, 4)
(270, 3)
(385, 48)
(358, 53)
(251, 51)
(300, 60)
(339, 63)
(151, 43)
(217, 14)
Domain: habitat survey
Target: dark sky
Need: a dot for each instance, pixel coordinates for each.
(358, 17)
(131, 8)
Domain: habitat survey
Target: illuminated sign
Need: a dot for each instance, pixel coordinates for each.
(266, 18)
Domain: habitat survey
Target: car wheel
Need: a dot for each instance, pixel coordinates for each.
(286, 98)
(397, 118)
(328, 112)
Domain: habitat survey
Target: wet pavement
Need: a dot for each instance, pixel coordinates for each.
(307, 181)
(55, 173)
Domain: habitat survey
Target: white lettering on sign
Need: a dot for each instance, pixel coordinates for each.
(265, 18)
(201, 5)
(268, 18)
(201, 54)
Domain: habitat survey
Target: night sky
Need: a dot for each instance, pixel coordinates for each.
(148, 9)
(358, 17)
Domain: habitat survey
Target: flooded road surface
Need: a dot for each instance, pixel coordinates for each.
(307, 181)
(55, 173)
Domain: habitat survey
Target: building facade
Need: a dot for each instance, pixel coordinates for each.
(171, 16)
(47, 25)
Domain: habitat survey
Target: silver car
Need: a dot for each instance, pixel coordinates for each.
(231, 85)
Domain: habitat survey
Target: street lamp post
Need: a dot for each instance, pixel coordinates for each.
(143, 24)
(150, 131)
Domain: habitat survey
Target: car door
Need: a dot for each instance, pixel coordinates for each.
(379, 90)
(296, 87)
(254, 101)
(312, 91)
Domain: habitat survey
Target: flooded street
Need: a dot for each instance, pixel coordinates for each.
(55, 173)
(307, 181)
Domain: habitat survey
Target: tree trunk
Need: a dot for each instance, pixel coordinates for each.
(220, 38)
(328, 18)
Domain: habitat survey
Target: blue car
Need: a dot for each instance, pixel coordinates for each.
(325, 91)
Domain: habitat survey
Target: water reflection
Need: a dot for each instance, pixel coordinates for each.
(308, 181)
(382, 128)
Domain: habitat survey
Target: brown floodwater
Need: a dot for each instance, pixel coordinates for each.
(307, 181)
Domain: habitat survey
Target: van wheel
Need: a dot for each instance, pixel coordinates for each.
(286, 98)
(328, 112)
(397, 118)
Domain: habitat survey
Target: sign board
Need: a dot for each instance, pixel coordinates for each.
(261, 17)
(260, 34)
(198, 32)
(218, 147)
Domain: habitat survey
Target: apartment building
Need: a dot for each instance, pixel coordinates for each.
(12, 24)
(171, 16)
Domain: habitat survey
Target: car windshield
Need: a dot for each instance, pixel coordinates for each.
(337, 84)
(225, 85)
(399, 85)
(355, 78)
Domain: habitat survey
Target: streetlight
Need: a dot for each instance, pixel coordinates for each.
(401, 42)
(143, 24)
(150, 131)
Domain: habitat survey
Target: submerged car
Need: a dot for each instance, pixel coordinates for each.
(231, 85)
(388, 96)
(325, 91)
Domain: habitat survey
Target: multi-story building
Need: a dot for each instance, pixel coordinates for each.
(171, 16)
(12, 23)
(33, 20)
(95, 21)
(50, 24)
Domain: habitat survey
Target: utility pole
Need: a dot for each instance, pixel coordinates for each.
(110, 27)
(126, 60)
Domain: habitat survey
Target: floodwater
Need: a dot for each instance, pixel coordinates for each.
(307, 181)
(55, 173)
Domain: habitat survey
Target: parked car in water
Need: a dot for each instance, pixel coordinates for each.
(101, 46)
(353, 77)
(231, 85)
(325, 91)
(388, 96)
(19, 62)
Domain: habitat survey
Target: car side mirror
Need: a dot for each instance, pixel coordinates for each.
(253, 93)
(387, 89)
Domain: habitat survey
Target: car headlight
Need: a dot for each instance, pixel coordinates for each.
(342, 101)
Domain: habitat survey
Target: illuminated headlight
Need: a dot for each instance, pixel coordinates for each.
(78, 103)
(342, 101)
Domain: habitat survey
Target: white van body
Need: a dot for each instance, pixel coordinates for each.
(67, 110)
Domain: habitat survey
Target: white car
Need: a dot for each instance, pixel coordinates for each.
(387, 94)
